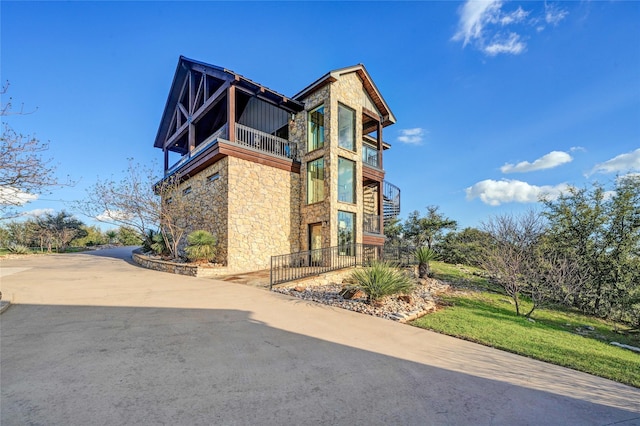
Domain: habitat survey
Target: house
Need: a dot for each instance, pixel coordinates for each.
(277, 174)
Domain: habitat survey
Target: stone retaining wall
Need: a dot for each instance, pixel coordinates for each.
(178, 268)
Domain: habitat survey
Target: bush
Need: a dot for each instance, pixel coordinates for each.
(424, 255)
(201, 246)
(381, 279)
(18, 249)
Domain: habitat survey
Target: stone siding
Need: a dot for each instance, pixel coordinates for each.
(210, 197)
(263, 214)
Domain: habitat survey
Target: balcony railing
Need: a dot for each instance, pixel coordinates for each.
(371, 223)
(220, 133)
(370, 156)
(261, 141)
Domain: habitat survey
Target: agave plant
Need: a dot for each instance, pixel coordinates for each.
(201, 246)
(381, 279)
(424, 255)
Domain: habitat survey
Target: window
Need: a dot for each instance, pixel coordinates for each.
(214, 177)
(346, 233)
(346, 180)
(315, 136)
(346, 127)
(315, 181)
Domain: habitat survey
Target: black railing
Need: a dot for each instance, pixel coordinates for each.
(294, 266)
(371, 223)
(391, 200)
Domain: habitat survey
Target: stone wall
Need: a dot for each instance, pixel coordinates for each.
(263, 214)
(178, 268)
(209, 197)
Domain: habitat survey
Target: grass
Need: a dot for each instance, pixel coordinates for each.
(484, 316)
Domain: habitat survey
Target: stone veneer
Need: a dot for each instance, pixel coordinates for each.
(349, 91)
(264, 214)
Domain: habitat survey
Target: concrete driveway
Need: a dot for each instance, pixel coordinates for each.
(94, 339)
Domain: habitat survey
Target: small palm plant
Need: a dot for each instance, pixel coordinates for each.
(201, 246)
(381, 279)
(424, 255)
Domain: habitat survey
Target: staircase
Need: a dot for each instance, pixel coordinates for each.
(391, 201)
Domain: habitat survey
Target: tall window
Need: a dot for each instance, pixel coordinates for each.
(346, 233)
(346, 127)
(315, 181)
(346, 180)
(315, 133)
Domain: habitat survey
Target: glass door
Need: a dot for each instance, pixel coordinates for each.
(315, 243)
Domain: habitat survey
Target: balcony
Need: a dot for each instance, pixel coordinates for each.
(371, 223)
(246, 137)
(370, 156)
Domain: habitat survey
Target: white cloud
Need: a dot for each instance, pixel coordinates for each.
(548, 161)
(411, 136)
(495, 193)
(38, 212)
(621, 163)
(490, 29)
(553, 14)
(508, 44)
(474, 16)
(514, 17)
(10, 196)
(110, 216)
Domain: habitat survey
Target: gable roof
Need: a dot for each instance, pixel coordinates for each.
(185, 65)
(367, 82)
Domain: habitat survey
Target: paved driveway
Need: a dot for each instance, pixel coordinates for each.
(93, 339)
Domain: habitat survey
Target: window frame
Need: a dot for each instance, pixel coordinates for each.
(346, 248)
(319, 134)
(352, 200)
(352, 143)
(314, 191)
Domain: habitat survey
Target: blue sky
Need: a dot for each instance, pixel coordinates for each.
(496, 102)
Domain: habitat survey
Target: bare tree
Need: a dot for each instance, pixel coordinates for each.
(142, 201)
(24, 171)
(509, 258)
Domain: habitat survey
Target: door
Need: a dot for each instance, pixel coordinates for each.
(315, 243)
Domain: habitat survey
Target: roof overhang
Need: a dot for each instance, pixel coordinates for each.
(367, 82)
(185, 65)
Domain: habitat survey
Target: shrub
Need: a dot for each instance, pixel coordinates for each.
(18, 249)
(381, 279)
(201, 246)
(424, 255)
(158, 244)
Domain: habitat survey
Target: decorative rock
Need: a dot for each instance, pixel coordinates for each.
(299, 289)
(405, 298)
(352, 293)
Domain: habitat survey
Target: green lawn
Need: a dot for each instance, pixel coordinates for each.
(558, 336)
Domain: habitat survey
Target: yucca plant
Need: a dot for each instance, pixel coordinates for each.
(201, 246)
(18, 249)
(159, 244)
(381, 279)
(424, 255)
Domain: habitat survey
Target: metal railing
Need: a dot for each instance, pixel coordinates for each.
(391, 200)
(370, 156)
(371, 223)
(220, 133)
(252, 138)
(295, 266)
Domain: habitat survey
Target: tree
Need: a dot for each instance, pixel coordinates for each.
(94, 236)
(464, 247)
(24, 171)
(128, 236)
(510, 257)
(60, 229)
(600, 231)
(142, 201)
(425, 231)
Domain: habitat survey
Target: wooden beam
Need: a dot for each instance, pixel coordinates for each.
(379, 143)
(231, 112)
(177, 135)
(211, 102)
